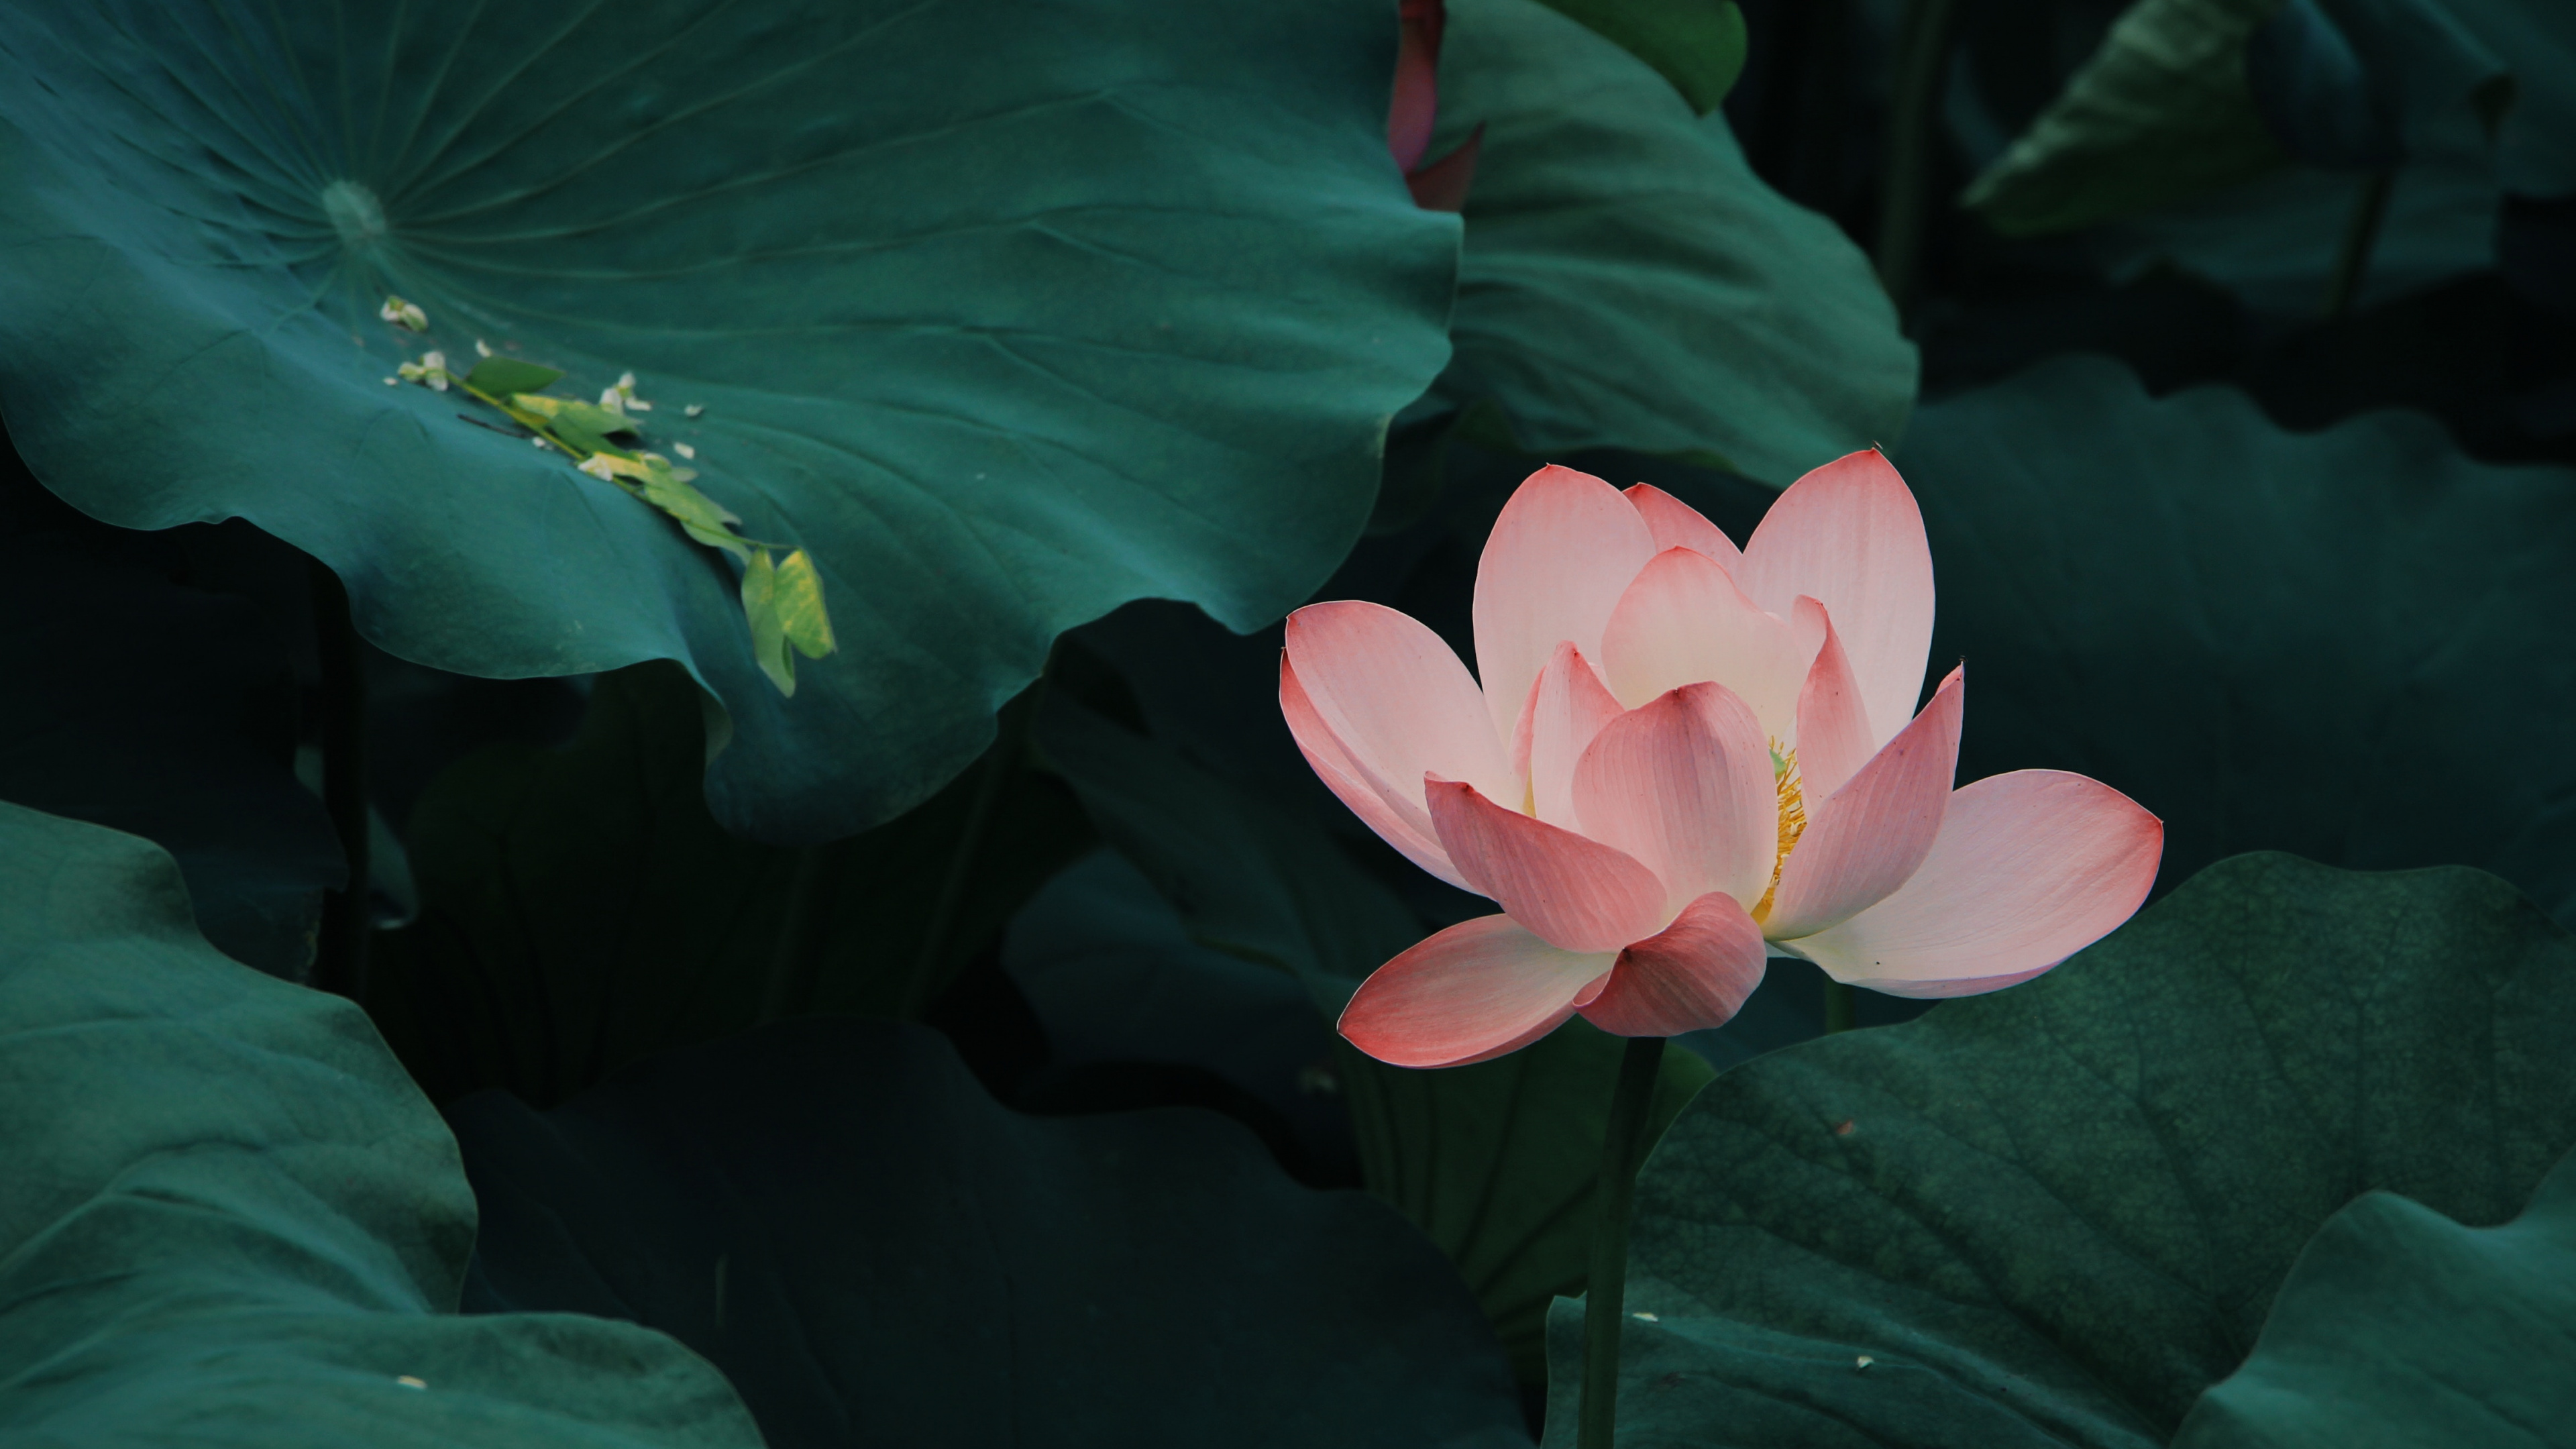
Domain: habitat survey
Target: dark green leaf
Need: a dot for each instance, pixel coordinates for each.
(1258, 882)
(1141, 1279)
(2331, 643)
(2399, 1327)
(228, 1219)
(2159, 114)
(1114, 977)
(1628, 281)
(1003, 324)
(137, 703)
(502, 376)
(2536, 40)
(1498, 1162)
(1698, 45)
(582, 909)
(2055, 1215)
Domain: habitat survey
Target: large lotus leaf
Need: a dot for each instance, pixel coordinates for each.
(139, 703)
(2053, 1216)
(1498, 1162)
(877, 1253)
(2400, 1327)
(582, 910)
(2347, 644)
(1628, 281)
(228, 1218)
(1004, 323)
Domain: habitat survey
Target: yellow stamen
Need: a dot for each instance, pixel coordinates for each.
(1793, 818)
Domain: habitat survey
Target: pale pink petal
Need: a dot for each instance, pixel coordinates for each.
(1678, 525)
(1402, 823)
(1568, 706)
(1684, 785)
(1576, 894)
(1560, 555)
(1850, 536)
(1694, 974)
(1399, 702)
(1869, 837)
(1416, 106)
(2029, 869)
(1684, 622)
(1477, 990)
(1834, 738)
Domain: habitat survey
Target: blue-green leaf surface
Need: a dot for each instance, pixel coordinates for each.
(2055, 1215)
(836, 1213)
(2399, 1327)
(1003, 320)
(1629, 282)
(2349, 644)
(228, 1219)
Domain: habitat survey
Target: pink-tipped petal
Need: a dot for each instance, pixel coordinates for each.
(1694, 974)
(1402, 823)
(1399, 702)
(1568, 706)
(1684, 621)
(1869, 837)
(1555, 565)
(1678, 525)
(1849, 535)
(1683, 784)
(2029, 869)
(1834, 738)
(1477, 990)
(1576, 894)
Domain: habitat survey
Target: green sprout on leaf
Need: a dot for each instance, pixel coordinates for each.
(782, 594)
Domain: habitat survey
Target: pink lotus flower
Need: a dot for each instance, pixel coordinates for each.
(1685, 759)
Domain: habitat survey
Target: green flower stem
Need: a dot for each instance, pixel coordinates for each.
(1841, 1007)
(1623, 1151)
(340, 950)
(1913, 128)
(2360, 234)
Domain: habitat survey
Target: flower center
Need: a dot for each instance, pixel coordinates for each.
(1793, 818)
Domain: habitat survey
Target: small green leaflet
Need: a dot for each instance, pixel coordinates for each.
(502, 376)
(578, 415)
(668, 489)
(785, 606)
(782, 598)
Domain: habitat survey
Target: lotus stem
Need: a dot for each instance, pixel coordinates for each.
(1913, 121)
(1841, 1007)
(340, 952)
(2360, 234)
(1623, 1151)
